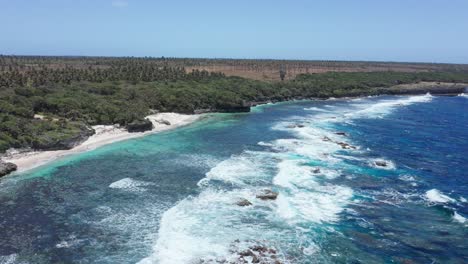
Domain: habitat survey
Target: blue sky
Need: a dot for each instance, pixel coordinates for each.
(388, 30)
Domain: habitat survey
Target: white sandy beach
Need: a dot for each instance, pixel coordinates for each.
(104, 135)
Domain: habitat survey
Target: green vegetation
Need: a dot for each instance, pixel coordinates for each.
(74, 94)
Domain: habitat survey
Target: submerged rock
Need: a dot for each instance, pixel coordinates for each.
(7, 168)
(267, 195)
(243, 202)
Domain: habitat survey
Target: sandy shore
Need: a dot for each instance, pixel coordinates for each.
(104, 135)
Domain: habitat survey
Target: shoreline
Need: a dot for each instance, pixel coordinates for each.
(105, 135)
(433, 88)
(108, 134)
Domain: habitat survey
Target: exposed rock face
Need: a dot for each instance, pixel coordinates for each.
(267, 195)
(7, 168)
(243, 202)
(140, 126)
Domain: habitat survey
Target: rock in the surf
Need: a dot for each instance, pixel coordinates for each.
(243, 202)
(341, 134)
(164, 122)
(381, 163)
(7, 168)
(345, 145)
(296, 125)
(267, 195)
(316, 170)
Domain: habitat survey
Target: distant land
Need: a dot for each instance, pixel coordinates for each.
(257, 69)
(52, 102)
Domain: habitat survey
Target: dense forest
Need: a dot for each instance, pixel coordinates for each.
(50, 102)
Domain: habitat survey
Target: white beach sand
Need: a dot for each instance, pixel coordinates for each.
(104, 135)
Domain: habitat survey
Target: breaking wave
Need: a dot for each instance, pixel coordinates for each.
(229, 214)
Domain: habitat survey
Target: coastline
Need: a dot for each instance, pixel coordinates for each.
(433, 88)
(105, 134)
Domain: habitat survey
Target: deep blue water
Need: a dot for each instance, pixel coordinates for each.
(171, 197)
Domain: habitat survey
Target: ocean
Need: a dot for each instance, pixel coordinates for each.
(367, 180)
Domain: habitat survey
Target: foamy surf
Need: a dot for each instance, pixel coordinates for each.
(211, 226)
(435, 196)
(129, 184)
(460, 219)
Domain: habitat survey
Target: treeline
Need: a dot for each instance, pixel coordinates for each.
(50, 108)
(132, 70)
(56, 62)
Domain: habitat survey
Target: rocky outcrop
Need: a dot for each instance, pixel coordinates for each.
(7, 168)
(243, 202)
(163, 122)
(267, 195)
(426, 87)
(341, 134)
(51, 143)
(140, 126)
(296, 125)
(380, 163)
(253, 252)
(345, 145)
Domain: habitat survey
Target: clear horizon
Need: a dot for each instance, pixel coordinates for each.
(387, 31)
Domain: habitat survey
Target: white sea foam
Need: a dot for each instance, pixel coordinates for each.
(369, 108)
(205, 226)
(71, 241)
(251, 166)
(459, 218)
(384, 107)
(10, 259)
(129, 184)
(304, 198)
(436, 196)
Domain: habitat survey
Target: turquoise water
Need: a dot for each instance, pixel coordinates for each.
(171, 197)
